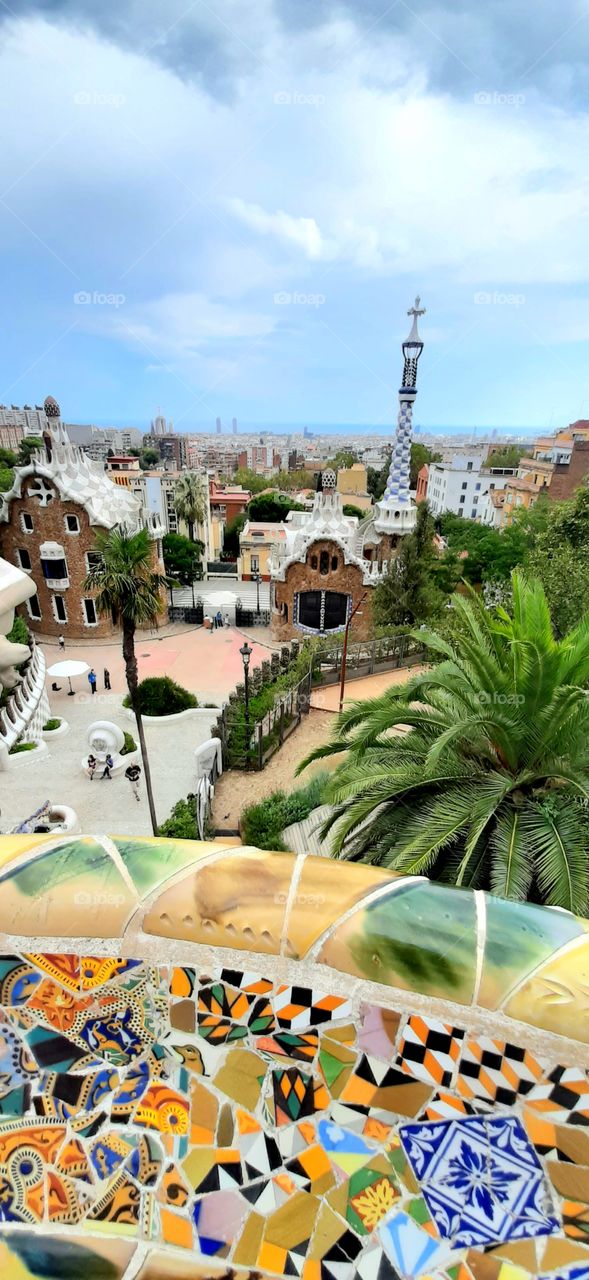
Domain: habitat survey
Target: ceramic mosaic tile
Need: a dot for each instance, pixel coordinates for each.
(225, 1121)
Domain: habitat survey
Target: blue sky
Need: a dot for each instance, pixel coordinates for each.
(227, 207)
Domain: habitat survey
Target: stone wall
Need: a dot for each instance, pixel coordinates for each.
(49, 525)
(221, 1062)
(302, 577)
(567, 478)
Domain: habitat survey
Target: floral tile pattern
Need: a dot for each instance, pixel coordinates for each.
(188, 1118)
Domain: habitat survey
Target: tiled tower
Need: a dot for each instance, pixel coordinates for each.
(396, 512)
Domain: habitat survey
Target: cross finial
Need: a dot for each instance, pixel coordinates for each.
(416, 310)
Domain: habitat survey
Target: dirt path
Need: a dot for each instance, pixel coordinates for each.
(236, 789)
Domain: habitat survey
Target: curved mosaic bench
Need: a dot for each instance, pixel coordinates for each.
(221, 1062)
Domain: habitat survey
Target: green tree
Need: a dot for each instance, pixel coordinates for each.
(7, 458)
(408, 593)
(343, 459)
(272, 507)
(560, 558)
(492, 553)
(181, 561)
(250, 480)
(190, 500)
(350, 510)
(294, 480)
(509, 456)
(129, 590)
(231, 537)
(488, 785)
(27, 446)
(420, 454)
(6, 478)
(148, 458)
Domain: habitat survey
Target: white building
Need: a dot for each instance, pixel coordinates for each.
(463, 484)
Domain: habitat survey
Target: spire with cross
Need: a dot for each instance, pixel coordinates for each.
(396, 495)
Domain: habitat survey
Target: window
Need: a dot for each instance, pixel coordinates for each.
(93, 560)
(334, 563)
(477, 488)
(26, 522)
(255, 563)
(72, 524)
(475, 501)
(314, 562)
(463, 499)
(34, 608)
(491, 486)
(324, 562)
(460, 513)
(473, 514)
(469, 466)
(464, 484)
(90, 615)
(54, 568)
(59, 608)
(24, 558)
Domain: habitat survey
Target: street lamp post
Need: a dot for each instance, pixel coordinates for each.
(257, 580)
(342, 683)
(246, 653)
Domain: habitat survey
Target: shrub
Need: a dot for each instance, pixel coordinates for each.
(54, 723)
(129, 745)
(161, 696)
(181, 824)
(19, 632)
(22, 746)
(262, 824)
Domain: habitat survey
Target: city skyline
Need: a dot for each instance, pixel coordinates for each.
(235, 207)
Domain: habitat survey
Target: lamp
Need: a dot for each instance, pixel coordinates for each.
(246, 653)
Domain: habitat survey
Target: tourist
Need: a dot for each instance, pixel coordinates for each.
(61, 643)
(91, 766)
(108, 764)
(219, 618)
(133, 773)
(106, 678)
(92, 679)
(226, 620)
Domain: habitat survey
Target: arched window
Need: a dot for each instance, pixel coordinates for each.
(324, 562)
(313, 562)
(334, 563)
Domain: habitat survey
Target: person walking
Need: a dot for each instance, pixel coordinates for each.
(106, 678)
(61, 642)
(92, 679)
(219, 618)
(133, 773)
(108, 764)
(91, 766)
(226, 622)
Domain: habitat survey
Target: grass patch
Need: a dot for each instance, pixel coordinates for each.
(262, 824)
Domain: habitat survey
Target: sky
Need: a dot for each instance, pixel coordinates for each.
(227, 207)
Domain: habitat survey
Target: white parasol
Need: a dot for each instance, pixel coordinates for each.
(66, 669)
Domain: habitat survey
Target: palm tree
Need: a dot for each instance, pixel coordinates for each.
(476, 772)
(190, 501)
(130, 591)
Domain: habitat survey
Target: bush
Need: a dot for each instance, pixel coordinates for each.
(129, 745)
(161, 696)
(262, 824)
(22, 746)
(19, 632)
(181, 824)
(51, 724)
